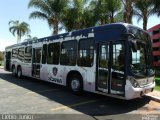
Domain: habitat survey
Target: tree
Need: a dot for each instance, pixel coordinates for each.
(18, 29)
(113, 6)
(29, 38)
(50, 10)
(77, 16)
(1, 57)
(156, 8)
(100, 12)
(106, 11)
(128, 10)
(119, 17)
(143, 10)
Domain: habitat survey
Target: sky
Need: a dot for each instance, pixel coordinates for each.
(18, 10)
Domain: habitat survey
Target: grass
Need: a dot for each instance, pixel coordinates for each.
(157, 84)
(157, 78)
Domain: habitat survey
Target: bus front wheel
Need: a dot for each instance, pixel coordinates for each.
(76, 84)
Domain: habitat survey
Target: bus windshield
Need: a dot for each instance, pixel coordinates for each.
(141, 54)
(141, 60)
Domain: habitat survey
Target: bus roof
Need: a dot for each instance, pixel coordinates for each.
(83, 32)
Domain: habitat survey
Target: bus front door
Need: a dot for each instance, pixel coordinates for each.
(117, 79)
(110, 68)
(36, 62)
(103, 68)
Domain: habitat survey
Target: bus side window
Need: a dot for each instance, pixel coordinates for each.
(86, 52)
(50, 54)
(21, 54)
(53, 53)
(104, 56)
(68, 53)
(14, 53)
(118, 56)
(28, 54)
(44, 54)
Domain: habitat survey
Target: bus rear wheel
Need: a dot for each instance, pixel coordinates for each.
(76, 85)
(19, 72)
(13, 71)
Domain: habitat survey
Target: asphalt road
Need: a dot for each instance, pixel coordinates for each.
(31, 96)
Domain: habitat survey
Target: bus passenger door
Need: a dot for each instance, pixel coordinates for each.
(117, 79)
(36, 62)
(103, 67)
(110, 68)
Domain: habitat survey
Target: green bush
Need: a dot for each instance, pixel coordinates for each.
(157, 84)
(1, 56)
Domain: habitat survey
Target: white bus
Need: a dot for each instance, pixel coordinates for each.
(113, 60)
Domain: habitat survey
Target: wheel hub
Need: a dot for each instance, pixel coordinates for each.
(75, 85)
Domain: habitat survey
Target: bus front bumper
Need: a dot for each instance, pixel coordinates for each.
(131, 92)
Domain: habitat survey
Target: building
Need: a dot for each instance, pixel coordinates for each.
(155, 36)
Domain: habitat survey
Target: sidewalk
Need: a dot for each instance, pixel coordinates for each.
(155, 95)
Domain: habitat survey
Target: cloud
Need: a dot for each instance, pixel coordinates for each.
(4, 43)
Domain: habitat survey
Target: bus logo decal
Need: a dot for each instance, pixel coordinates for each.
(54, 70)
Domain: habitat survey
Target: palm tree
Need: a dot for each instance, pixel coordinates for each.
(50, 10)
(143, 10)
(128, 10)
(113, 6)
(106, 11)
(30, 38)
(88, 18)
(77, 15)
(18, 29)
(156, 8)
(119, 17)
(100, 12)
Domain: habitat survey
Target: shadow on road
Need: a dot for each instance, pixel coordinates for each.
(102, 105)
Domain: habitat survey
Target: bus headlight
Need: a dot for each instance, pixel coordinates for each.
(134, 83)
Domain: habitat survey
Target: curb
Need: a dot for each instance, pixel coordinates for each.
(157, 99)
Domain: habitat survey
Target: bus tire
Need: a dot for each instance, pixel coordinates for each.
(14, 71)
(19, 72)
(76, 84)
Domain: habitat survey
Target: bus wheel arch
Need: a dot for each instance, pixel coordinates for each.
(75, 82)
(19, 71)
(14, 70)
